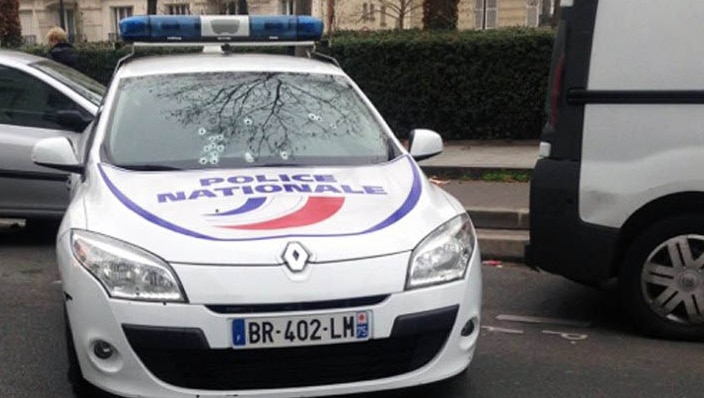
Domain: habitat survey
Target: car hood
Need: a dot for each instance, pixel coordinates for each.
(248, 216)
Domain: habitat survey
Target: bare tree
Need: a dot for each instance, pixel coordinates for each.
(397, 10)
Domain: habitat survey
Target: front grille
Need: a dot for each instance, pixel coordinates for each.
(302, 306)
(229, 369)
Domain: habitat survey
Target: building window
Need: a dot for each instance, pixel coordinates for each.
(288, 7)
(368, 12)
(178, 9)
(492, 13)
(69, 22)
(533, 12)
(231, 8)
(27, 23)
(382, 16)
(486, 14)
(118, 14)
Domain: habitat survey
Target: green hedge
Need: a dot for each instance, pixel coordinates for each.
(464, 85)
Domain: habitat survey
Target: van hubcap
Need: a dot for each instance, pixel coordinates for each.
(672, 280)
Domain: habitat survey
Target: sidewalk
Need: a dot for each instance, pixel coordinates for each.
(485, 155)
(499, 210)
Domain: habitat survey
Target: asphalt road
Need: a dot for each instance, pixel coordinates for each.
(585, 349)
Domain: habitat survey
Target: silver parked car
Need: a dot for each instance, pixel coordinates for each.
(39, 98)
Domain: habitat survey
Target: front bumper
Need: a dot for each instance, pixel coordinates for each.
(184, 350)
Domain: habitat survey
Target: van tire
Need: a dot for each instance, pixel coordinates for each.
(660, 282)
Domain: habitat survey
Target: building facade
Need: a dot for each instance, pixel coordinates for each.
(394, 14)
(96, 20)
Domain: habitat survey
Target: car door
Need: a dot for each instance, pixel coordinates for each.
(28, 108)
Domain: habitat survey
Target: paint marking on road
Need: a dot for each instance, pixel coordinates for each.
(567, 335)
(56, 282)
(544, 320)
(502, 330)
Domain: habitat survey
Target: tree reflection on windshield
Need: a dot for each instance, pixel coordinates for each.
(255, 118)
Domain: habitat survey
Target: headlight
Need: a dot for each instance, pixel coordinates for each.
(126, 271)
(443, 255)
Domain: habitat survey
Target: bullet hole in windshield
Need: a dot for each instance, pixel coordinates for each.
(314, 117)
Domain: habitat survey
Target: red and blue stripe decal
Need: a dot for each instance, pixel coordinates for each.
(315, 210)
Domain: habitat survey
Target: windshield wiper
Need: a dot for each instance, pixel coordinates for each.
(147, 167)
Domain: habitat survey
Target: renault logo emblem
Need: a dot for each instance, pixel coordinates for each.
(296, 257)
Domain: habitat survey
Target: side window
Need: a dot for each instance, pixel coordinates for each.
(28, 102)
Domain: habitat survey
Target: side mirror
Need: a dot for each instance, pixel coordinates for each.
(73, 120)
(424, 144)
(56, 153)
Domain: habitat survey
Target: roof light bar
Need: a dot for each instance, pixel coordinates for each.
(220, 28)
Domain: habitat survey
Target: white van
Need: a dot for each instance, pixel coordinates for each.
(619, 191)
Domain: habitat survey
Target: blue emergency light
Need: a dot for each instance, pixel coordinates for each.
(220, 28)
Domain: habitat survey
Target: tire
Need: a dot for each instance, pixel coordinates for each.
(661, 281)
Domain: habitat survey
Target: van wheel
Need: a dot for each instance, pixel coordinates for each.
(662, 280)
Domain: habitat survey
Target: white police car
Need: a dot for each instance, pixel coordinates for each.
(247, 225)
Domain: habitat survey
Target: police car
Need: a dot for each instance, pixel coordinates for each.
(248, 225)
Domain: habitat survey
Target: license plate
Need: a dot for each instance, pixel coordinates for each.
(294, 331)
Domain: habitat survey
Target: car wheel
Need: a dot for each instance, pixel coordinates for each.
(662, 279)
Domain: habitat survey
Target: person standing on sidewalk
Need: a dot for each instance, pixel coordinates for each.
(61, 50)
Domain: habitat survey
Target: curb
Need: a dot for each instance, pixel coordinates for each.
(496, 218)
(507, 245)
(502, 233)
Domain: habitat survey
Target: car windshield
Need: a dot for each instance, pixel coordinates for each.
(77, 81)
(242, 119)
